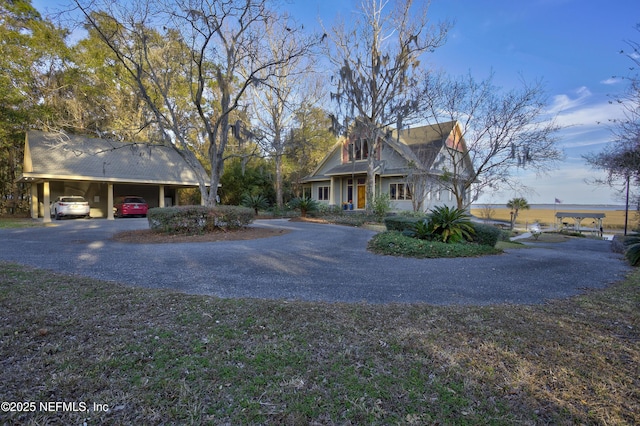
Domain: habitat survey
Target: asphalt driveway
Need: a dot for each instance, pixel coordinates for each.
(313, 262)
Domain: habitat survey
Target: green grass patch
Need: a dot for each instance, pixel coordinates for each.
(395, 243)
(158, 357)
(504, 245)
(19, 222)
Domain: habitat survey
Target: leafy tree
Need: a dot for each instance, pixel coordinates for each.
(253, 177)
(377, 59)
(32, 50)
(307, 144)
(96, 97)
(517, 204)
(214, 49)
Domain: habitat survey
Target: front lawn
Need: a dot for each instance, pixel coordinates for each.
(144, 356)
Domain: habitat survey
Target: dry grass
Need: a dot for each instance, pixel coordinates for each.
(157, 357)
(614, 218)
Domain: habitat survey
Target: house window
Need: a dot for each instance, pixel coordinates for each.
(323, 193)
(399, 191)
(358, 150)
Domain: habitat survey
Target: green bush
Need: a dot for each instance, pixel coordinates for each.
(381, 206)
(198, 219)
(256, 202)
(401, 223)
(632, 249)
(304, 204)
(423, 230)
(486, 235)
(448, 224)
(394, 243)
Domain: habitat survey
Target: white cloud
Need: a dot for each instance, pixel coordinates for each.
(565, 102)
(610, 81)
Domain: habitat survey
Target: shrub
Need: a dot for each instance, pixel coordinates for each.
(198, 219)
(486, 235)
(256, 202)
(381, 206)
(304, 204)
(395, 244)
(632, 249)
(401, 223)
(423, 230)
(450, 224)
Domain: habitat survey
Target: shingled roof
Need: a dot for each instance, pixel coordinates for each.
(55, 156)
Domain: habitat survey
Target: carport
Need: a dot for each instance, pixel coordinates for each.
(101, 170)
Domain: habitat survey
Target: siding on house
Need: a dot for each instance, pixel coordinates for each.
(423, 148)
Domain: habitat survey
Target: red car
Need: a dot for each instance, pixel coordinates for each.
(131, 206)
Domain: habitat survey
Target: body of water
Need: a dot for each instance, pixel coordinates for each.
(560, 207)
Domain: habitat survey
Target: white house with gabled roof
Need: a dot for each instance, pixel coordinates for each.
(410, 166)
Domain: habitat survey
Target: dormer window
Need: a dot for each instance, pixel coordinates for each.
(358, 150)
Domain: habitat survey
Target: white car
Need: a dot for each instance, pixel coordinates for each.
(69, 205)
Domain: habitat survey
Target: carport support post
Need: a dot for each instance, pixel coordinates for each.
(109, 201)
(46, 200)
(34, 200)
(161, 195)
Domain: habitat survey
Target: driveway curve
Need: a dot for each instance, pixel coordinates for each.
(314, 262)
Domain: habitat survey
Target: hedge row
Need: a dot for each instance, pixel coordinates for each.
(198, 219)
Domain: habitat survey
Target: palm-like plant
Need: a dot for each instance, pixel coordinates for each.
(304, 204)
(450, 225)
(517, 204)
(256, 202)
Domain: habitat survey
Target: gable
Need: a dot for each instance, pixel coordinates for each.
(422, 146)
(72, 157)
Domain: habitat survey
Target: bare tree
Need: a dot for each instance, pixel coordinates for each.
(621, 158)
(207, 52)
(288, 86)
(378, 69)
(499, 132)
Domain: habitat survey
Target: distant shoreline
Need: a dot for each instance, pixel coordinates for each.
(559, 207)
(537, 213)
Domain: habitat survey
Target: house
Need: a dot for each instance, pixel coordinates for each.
(100, 170)
(410, 166)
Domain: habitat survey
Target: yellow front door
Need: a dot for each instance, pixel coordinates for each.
(362, 191)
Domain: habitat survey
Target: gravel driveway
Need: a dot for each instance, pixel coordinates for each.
(314, 262)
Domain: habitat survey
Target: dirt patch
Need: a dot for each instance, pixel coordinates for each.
(147, 236)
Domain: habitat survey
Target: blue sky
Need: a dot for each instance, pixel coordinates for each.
(571, 45)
